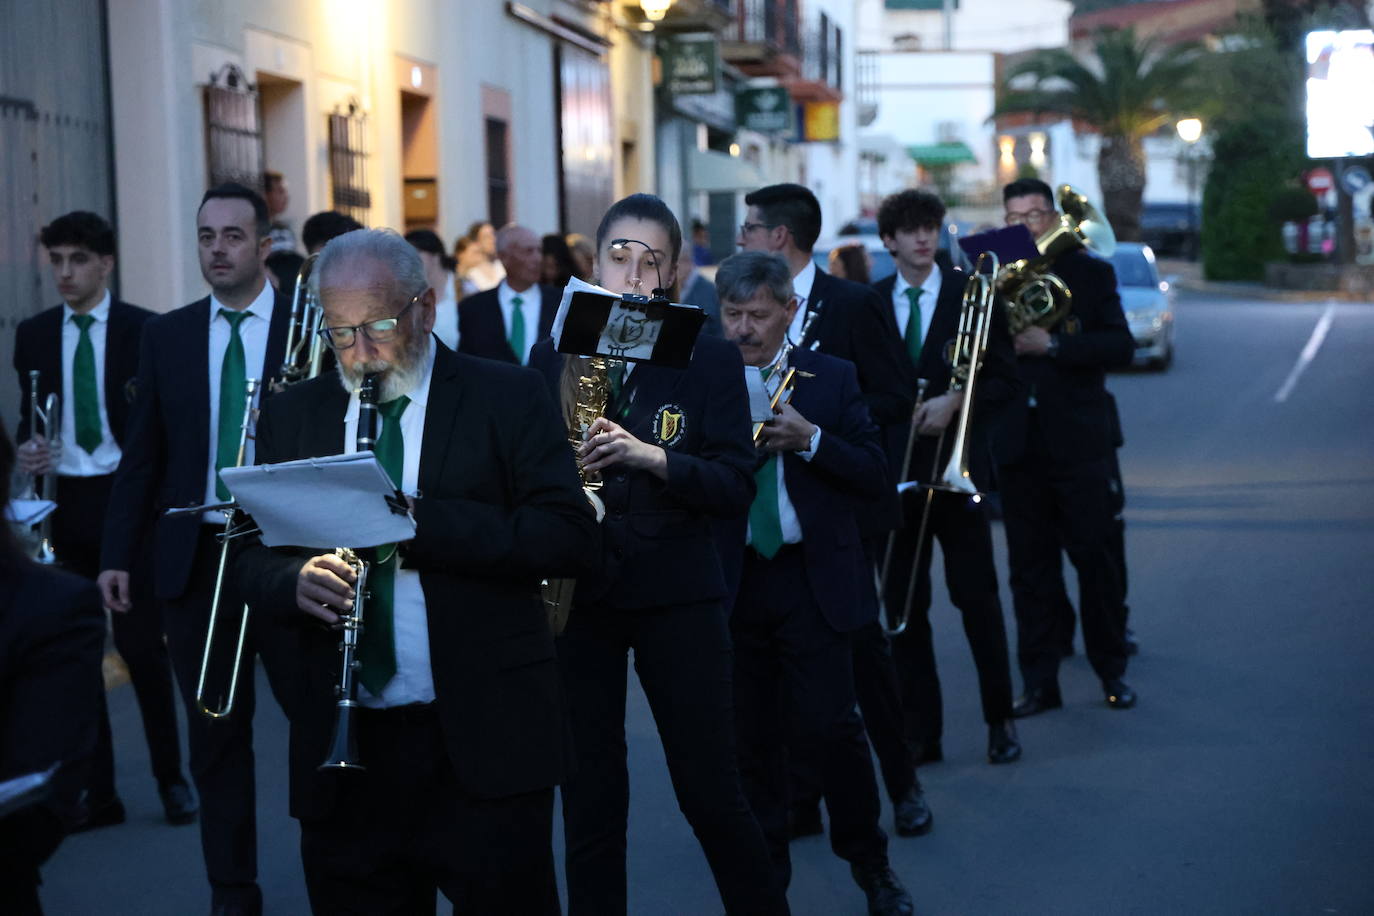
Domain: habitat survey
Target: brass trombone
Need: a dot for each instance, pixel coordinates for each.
(970, 344)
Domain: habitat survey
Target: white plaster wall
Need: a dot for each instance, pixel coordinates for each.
(832, 169)
(1004, 26)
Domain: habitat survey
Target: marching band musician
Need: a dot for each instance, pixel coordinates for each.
(504, 322)
(185, 425)
(461, 729)
(802, 575)
(674, 451)
(926, 302)
(86, 351)
(1055, 448)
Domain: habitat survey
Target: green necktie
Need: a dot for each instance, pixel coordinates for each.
(233, 383)
(517, 330)
(377, 651)
(913, 323)
(765, 523)
(86, 397)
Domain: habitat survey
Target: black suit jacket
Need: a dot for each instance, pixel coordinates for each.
(702, 293)
(852, 323)
(848, 471)
(167, 442)
(482, 332)
(500, 508)
(52, 636)
(1073, 408)
(659, 547)
(996, 385)
(38, 345)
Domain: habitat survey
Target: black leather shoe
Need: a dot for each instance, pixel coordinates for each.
(1119, 694)
(1132, 646)
(1002, 744)
(178, 803)
(1035, 701)
(886, 896)
(805, 820)
(911, 814)
(930, 752)
(90, 815)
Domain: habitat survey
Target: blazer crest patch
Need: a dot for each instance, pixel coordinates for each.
(670, 425)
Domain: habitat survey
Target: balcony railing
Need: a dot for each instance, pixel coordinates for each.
(772, 23)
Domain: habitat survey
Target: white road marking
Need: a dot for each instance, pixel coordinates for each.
(1309, 353)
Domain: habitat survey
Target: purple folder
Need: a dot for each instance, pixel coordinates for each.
(1012, 243)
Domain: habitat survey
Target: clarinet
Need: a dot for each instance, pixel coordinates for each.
(343, 747)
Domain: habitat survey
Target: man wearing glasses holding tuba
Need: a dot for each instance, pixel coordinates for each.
(460, 731)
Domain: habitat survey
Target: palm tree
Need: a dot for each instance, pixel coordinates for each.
(1127, 90)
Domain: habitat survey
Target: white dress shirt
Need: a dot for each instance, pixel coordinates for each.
(801, 286)
(75, 462)
(253, 330)
(901, 305)
(787, 513)
(414, 680)
(531, 304)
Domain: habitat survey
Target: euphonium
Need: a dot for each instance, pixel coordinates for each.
(50, 416)
(304, 346)
(1034, 296)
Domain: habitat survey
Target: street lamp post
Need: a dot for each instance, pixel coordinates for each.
(1190, 131)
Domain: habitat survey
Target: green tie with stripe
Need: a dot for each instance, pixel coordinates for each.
(913, 323)
(86, 396)
(233, 384)
(377, 649)
(517, 330)
(765, 522)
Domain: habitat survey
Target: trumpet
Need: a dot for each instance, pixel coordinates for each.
(50, 416)
(970, 345)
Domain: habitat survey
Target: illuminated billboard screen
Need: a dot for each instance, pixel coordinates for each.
(1340, 94)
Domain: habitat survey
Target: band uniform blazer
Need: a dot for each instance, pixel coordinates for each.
(482, 331)
(852, 323)
(848, 471)
(658, 544)
(500, 508)
(1073, 408)
(997, 383)
(38, 345)
(167, 442)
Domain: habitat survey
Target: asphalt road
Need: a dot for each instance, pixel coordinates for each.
(1240, 784)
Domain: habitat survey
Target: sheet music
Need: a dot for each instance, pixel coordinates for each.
(338, 501)
(29, 511)
(760, 401)
(575, 285)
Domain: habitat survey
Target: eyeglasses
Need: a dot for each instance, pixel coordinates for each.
(383, 330)
(1029, 216)
(746, 228)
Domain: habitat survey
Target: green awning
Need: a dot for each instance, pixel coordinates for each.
(929, 154)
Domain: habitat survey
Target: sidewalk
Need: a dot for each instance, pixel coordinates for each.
(1188, 276)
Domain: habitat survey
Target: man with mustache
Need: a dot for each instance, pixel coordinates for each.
(460, 727)
(185, 425)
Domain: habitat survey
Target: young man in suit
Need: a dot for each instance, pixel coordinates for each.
(505, 322)
(926, 302)
(1055, 447)
(847, 320)
(86, 352)
(696, 290)
(186, 425)
(801, 579)
(460, 727)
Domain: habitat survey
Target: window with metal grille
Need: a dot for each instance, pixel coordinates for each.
(233, 135)
(348, 163)
(498, 172)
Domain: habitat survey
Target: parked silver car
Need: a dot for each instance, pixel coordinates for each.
(1148, 302)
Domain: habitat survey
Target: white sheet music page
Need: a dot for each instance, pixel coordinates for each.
(338, 501)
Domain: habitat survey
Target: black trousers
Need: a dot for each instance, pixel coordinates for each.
(1047, 504)
(76, 529)
(404, 829)
(965, 537)
(794, 689)
(222, 749)
(1068, 619)
(685, 663)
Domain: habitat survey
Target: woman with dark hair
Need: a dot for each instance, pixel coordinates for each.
(559, 267)
(851, 262)
(675, 452)
(52, 633)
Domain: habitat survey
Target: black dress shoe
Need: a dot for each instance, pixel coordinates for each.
(1036, 700)
(1002, 744)
(92, 814)
(886, 896)
(1119, 694)
(805, 820)
(930, 752)
(911, 813)
(178, 803)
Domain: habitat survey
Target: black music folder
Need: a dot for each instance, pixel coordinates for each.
(593, 321)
